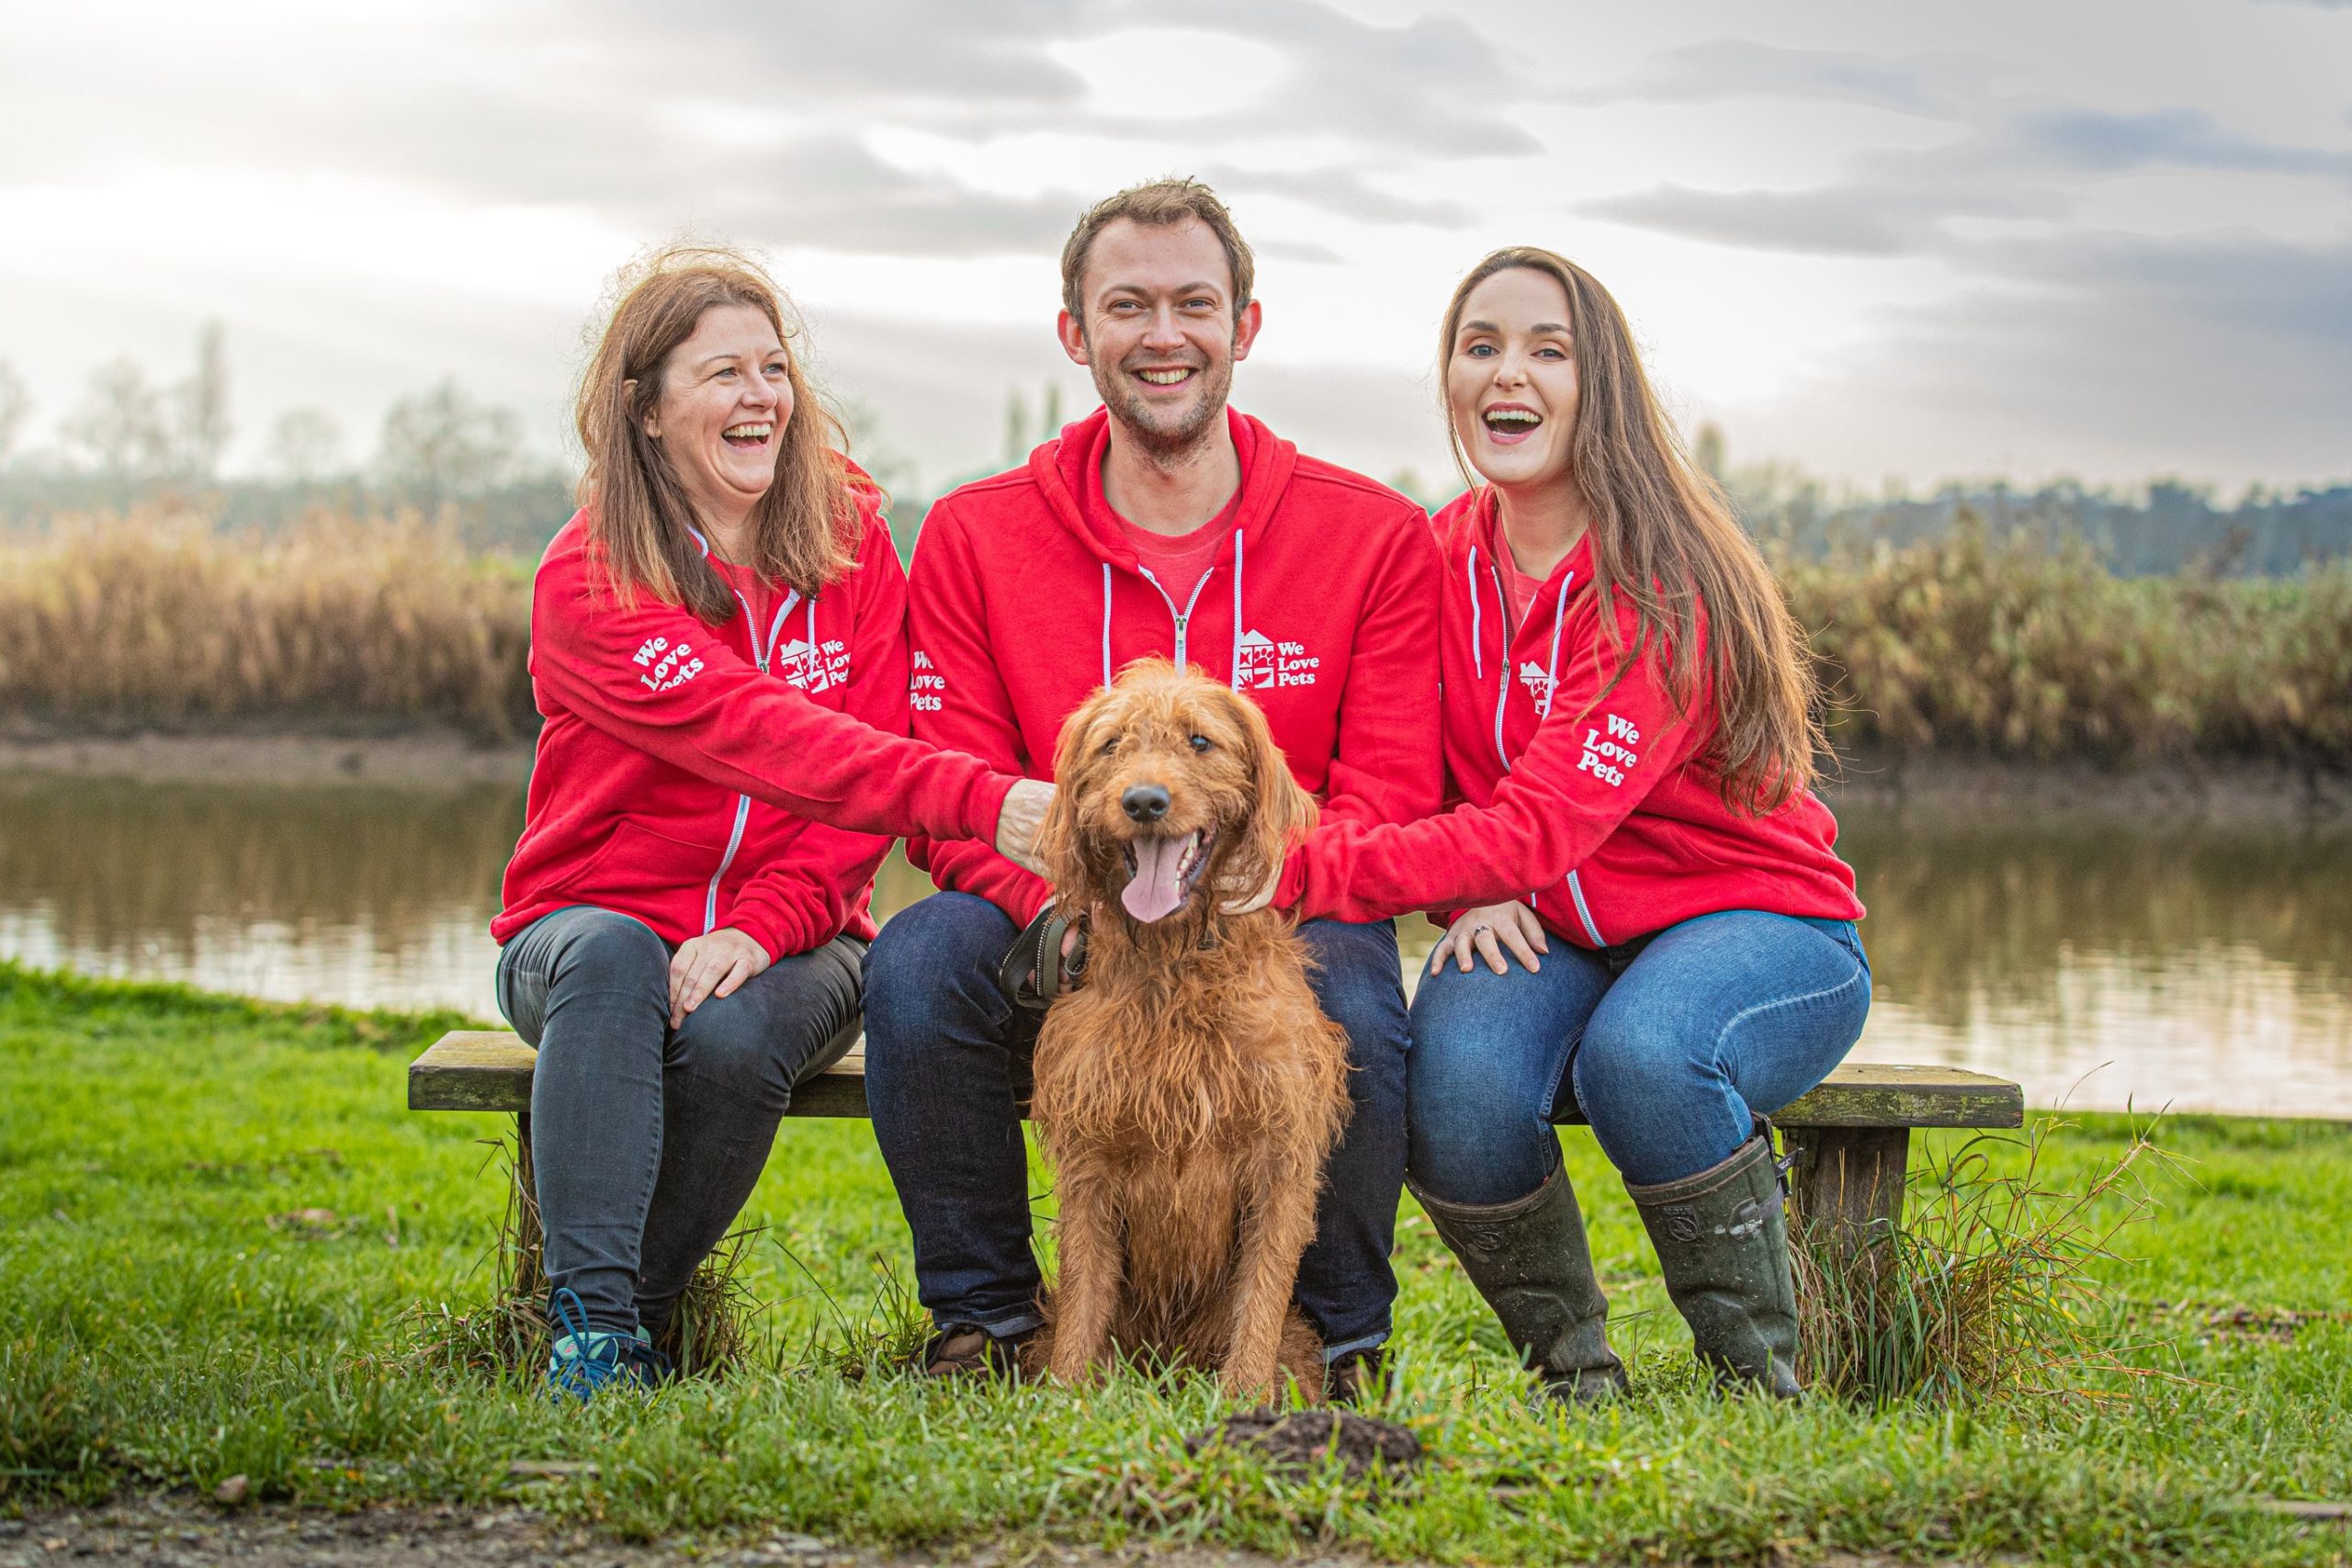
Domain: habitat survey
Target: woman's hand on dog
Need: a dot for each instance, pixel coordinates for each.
(1485, 932)
(711, 965)
(1017, 825)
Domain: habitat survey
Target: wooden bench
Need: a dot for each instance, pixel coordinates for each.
(1850, 1137)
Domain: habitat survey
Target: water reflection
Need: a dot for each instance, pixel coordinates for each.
(2209, 967)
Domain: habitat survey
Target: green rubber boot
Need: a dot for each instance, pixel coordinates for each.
(1723, 1240)
(1530, 1260)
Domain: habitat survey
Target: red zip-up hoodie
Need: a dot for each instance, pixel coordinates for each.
(1600, 814)
(747, 774)
(1321, 605)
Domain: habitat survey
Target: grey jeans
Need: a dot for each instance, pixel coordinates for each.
(647, 1140)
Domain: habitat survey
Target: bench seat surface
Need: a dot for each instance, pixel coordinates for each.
(480, 1069)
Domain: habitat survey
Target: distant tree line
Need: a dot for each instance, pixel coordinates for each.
(439, 452)
(442, 454)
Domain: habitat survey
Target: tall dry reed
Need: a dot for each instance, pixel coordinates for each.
(2005, 647)
(1962, 643)
(153, 618)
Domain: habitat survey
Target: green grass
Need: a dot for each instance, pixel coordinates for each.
(158, 1330)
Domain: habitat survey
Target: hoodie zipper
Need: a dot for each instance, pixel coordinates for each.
(760, 656)
(1183, 617)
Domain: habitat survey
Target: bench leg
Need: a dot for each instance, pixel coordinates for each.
(530, 1277)
(1849, 1192)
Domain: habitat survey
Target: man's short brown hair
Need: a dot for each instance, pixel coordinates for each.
(1165, 203)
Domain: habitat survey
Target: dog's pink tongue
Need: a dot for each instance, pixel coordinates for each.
(1153, 893)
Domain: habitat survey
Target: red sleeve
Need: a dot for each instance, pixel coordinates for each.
(657, 678)
(959, 701)
(802, 897)
(1587, 768)
(1388, 764)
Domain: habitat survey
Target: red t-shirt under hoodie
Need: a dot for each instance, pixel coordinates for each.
(1320, 601)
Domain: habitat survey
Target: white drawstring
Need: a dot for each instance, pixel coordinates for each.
(1470, 581)
(1106, 624)
(1552, 675)
(1237, 609)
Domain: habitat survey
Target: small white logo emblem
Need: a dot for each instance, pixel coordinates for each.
(1263, 664)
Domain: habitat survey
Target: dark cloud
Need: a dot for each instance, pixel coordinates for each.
(1341, 191)
(1934, 84)
(2097, 141)
(2117, 352)
(2030, 162)
(755, 120)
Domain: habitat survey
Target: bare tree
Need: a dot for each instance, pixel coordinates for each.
(200, 404)
(442, 447)
(15, 404)
(305, 446)
(119, 426)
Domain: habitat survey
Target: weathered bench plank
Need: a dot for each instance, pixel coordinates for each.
(491, 1070)
(1850, 1137)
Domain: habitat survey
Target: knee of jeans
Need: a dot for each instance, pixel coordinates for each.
(1623, 1062)
(1357, 985)
(933, 967)
(734, 1048)
(614, 948)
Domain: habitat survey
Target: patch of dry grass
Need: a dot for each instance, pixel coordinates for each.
(154, 619)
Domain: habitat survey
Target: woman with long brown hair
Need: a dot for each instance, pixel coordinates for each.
(1628, 713)
(718, 649)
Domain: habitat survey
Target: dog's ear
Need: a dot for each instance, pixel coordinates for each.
(1285, 812)
(1058, 845)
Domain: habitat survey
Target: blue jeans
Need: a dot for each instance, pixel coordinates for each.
(947, 1067)
(1670, 1046)
(646, 1141)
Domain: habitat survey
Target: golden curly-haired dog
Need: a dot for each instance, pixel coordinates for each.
(1191, 1091)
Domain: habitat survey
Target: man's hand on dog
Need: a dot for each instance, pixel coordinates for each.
(1016, 826)
(1485, 932)
(712, 966)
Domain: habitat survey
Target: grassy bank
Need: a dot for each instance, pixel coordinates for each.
(216, 1222)
(1960, 644)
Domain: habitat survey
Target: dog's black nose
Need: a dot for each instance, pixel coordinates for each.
(1145, 803)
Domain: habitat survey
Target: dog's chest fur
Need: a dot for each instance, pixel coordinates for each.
(1180, 1049)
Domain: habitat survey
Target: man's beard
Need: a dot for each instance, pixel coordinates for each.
(1167, 445)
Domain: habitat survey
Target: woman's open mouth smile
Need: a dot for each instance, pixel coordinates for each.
(1507, 425)
(752, 436)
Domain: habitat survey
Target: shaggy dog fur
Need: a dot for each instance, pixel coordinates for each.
(1190, 1091)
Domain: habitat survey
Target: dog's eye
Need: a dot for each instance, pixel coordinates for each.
(1200, 743)
(1110, 746)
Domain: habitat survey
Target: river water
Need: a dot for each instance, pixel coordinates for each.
(2205, 967)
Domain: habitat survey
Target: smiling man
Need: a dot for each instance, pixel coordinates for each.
(1164, 524)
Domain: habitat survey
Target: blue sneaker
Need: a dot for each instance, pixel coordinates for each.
(587, 1361)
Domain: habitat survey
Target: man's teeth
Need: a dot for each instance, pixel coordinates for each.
(747, 431)
(1528, 417)
(1163, 378)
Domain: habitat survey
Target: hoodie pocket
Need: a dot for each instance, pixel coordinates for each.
(639, 868)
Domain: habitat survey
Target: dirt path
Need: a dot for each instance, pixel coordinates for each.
(178, 1532)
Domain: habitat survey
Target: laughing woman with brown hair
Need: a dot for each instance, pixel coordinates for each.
(719, 648)
(1629, 730)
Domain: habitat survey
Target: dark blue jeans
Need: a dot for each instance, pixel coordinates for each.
(648, 1142)
(1669, 1050)
(947, 1060)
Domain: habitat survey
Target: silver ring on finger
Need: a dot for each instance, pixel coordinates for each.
(1480, 930)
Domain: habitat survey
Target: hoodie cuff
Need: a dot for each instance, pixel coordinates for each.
(761, 925)
(1290, 888)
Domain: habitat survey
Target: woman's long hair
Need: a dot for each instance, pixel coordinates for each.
(1664, 537)
(803, 529)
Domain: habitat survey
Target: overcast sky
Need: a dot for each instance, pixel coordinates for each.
(2110, 240)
